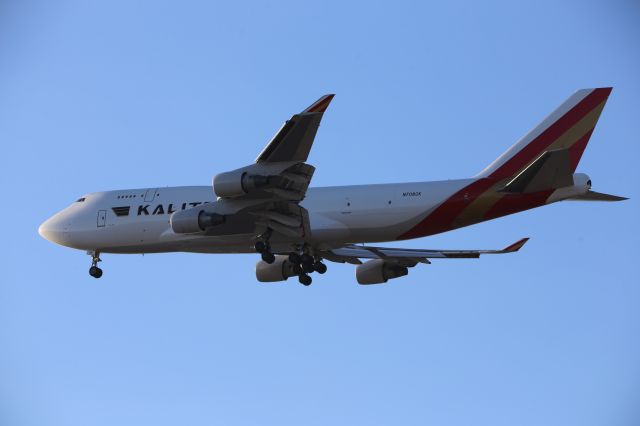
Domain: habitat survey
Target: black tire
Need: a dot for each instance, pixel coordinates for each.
(320, 267)
(294, 257)
(260, 246)
(305, 258)
(305, 279)
(95, 272)
(308, 267)
(268, 257)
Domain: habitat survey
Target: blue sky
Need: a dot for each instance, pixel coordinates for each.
(108, 95)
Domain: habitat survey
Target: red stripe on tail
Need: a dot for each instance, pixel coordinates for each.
(551, 134)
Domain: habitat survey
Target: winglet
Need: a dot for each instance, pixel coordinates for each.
(515, 246)
(321, 104)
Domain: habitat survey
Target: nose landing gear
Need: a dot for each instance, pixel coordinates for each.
(94, 271)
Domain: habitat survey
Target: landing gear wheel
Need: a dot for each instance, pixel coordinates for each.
(307, 267)
(307, 263)
(95, 272)
(297, 269)
(320, 267)
(261, 246)
(294, 257)
(304, 279)
(268, 257)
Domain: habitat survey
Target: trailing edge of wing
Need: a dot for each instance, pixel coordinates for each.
(416, 255)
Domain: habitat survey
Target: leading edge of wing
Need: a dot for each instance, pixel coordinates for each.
(367, 252)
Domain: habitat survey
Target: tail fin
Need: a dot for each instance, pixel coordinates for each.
(569, 128)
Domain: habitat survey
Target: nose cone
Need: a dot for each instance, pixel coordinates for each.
(54, 230)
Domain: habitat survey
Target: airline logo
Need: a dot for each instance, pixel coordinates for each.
(148, 209)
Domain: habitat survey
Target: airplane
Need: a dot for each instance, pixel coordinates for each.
(268, 208)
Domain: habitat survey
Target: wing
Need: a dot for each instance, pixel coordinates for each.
(265, 196)
(410, 257)
(294, 139)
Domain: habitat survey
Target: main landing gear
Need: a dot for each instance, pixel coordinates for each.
(94, 271)
(305, 279)
(304, 264)
(264, 249)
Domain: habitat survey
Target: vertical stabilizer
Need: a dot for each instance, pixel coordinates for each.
(568, 127)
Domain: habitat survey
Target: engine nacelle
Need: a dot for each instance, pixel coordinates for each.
(194, 220)
(378, 271)
(279, 270)
(237, 183)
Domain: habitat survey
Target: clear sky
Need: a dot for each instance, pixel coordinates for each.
(122, 94)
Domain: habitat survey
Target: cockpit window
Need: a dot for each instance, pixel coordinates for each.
(80, 200)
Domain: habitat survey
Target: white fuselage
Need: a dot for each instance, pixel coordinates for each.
(138, 220)
(337, 215)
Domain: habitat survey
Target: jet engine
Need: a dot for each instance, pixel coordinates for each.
(378, 271)
(279, 270)
(237, 183)
(194, 220)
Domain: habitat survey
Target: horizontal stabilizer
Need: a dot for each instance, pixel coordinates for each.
(598, 196)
